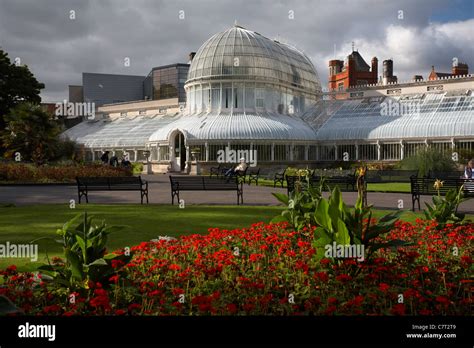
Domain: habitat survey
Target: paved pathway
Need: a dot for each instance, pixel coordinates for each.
(159, 193)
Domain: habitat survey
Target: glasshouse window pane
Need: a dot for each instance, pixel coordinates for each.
(206, 96)
(238, 96)
(164, 153)
(327, 153)
(346, 152)
(390, 151)
(368, 152)
(264, 152)
(216, 97)
(281, 153)
(213, 151)
(198, 99)
(226, 96)
(249, 97)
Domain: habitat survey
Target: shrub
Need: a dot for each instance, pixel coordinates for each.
(25, 173)
(137, 168)
(429, 159)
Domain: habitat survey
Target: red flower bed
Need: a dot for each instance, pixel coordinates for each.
(268, 270)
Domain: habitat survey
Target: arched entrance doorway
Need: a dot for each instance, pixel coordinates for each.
(179, 152)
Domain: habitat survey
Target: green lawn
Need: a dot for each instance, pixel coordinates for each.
(375, 187)
(23, 224)
(389, 187)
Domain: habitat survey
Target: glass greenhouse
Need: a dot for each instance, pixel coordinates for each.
(247, 92)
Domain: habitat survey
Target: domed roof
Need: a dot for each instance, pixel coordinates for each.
(238, 53)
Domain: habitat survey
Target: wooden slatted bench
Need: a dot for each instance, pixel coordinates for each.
(205, 183)
(119, 183)
(425, 186)
(254, 175)
(345, 183)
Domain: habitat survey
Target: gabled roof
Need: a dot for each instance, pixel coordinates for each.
(361, 65)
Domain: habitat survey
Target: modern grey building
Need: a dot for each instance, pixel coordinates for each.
(166, 82)
(110, 88)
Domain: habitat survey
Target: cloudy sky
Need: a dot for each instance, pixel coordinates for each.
(58, 45)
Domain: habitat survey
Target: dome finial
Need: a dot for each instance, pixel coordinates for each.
(235, 23)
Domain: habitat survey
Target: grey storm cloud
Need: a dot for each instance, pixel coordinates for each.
(151, 33)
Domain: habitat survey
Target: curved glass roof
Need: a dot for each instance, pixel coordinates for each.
(121, 132)
(238, 53)
(233, 126)
(430, 115)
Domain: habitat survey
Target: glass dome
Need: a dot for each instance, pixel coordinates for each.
(245, 54)
(239, 70)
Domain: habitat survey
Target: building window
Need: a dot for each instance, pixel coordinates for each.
(226, 96)
(164, 153)
(264, 152)
(346, 153)
(216, 96)
(281, 153)
(249, 97)
(238, 96)
(259, 97)
(214, 150)
(312, 153)
(206, 98)
(327, 153)
(411, 149)
(390, 151)
(368, 152)
(298, 153)
(142, 112)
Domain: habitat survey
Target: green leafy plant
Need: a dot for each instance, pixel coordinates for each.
(445, 209)
(344, 226)
(301, 204)
(86, 259)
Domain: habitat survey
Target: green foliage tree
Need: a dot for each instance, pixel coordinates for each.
(30, 132)
(17, 85)
(429, 159)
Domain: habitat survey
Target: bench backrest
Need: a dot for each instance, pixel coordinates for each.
(390, 175)
(108, 182)
(426, 185)
(202, 183)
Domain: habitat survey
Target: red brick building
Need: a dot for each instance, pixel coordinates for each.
(355, 71)
(458, 69)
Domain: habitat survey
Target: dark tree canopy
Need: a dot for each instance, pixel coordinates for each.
(17, 85)
(31, 133)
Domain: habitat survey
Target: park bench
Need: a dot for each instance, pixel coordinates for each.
(279, 178)
(240, 175)
(346, 183)
(205, 183)
(425, 186)
(118, 183)
(215, 171)
(445, 175)
(254, 175)
(396, 175)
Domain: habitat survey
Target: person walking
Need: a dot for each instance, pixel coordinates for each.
(105, 157)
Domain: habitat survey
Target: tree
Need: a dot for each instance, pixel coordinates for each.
(428, 159)
(31, 133)
(17, 85)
